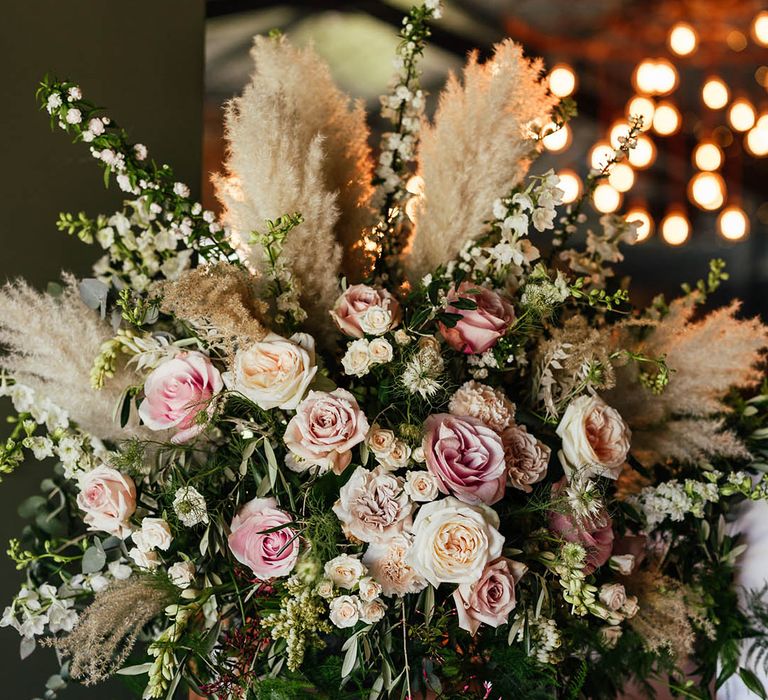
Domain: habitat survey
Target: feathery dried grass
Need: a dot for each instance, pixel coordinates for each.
(477, 150)
(109, 627)
(295, 145)
(220, 300)
(51, 344)
(707, 357)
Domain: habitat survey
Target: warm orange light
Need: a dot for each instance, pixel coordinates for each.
(558, 140)
(707, 156)
(715, 93)
(644, 107)
(675, 228)
(707, 191)
(570, 184)
(667, 119)
(600, 154)
(733, 223)
(655, 77)
(643, 154)
(683, 39)
(562, 80)
(620, 129)
(606, 199)
(742, 115)
(622, 177)
(756, 140)
(645, 229)
(760, 28)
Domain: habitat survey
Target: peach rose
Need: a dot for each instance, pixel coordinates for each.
(362, 310)
(527, 458)
(108, 499)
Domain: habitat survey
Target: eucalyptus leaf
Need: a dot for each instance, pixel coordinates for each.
(94, 294)
(26, 647)
(93, 560)
(29, 507)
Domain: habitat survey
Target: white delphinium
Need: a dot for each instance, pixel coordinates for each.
(190, 507)
(675, 500)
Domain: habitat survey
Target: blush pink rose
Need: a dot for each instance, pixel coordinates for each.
(466, 457)
(478, 329)
(261, 539)
(325, 429)
(108, 499)
(358, 311)
(596, 535)
(492, 598)
(177, 391)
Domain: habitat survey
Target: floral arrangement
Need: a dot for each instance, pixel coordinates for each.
(380, 430)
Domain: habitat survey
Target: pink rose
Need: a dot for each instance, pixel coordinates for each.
(325, 429)
(478, 329)
(492, 598)
(466, 457)
(259, 541)
(595, 535)
(362, 310)
(177, 391)
(108, 499)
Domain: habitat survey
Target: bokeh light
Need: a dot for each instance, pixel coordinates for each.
(644, 107)
(707, 156)
(600, 154)
(645, 230)
(760, 28)
(606, 199)
(733, 224)
(675, 228)
(715, 93)
(643, 154)
(621, 177)
(667, 119)
(558, 140)
(707, 190)
(683, 39)
(741, 115)
(570, 184)
(562, 80)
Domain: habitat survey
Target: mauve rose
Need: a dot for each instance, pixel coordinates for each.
(356, 301)
(492, 598)
(478, 329)
(595, 536)
(527, 458)
(177, 391)
(266, 554)
(325, 429)
(466, 457)
(108, 499)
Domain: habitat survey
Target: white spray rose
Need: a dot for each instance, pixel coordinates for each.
(155, 533)
(380, 351)
(357, 359)
(376, 320)
(421, 486)
(344, 571)
(345, 611)
(372, 611)
(182, 573)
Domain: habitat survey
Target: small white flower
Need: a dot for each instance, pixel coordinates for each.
(180, 189)
(325, 589)
(402, 337)
(372, 611)
(41, 447)
(144, 560)
(140, 151)
(54, 102)
(74, 116)
(190, 507)
(105, 237)
(87, 136)
(155, 533)
(368, 589)
(344, 571)
(118, 570)
(74, 93)
(345, 611)
(182, 573)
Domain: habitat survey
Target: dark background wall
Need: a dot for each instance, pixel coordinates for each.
(143, 60)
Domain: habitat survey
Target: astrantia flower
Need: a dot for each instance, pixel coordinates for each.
(387, 564)
(189, 505)
(484, 402)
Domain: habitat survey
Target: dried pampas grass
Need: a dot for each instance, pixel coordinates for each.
(477, 150)
(296, 146)
(51, 344)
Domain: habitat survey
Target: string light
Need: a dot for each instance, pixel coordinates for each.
(600, 154)
(667, 119)
(683, 39)
(715, 93)
(707, 191)
(643, 154)
(742, 115)
(622, 177)
(675, 228)
(760, 28)
(707, 156)
(558, 140)
(733, 223)
(644, 107)
(645, 229)
(655, 77)
(570, 184)
(756, 140)
(606, 199)
(562, 80)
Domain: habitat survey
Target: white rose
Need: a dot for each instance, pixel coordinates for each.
(155, 533)
(613, 596)
(595, 439)
(144, 560)
(345, 571)
(454, 541)
(418, 455)
(421, 486)
(376, 320)
(372, 611)
(345, 611)
(357, 359)
(622, 563)
(609, 635)
(402, 337)
(369, 589)
(275, 372)
(182, 573)
(380, 351)
(380, 440)
(325, 589)
(398, 456)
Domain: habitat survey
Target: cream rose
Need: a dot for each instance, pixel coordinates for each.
(380, 351)
(182, 573)
(595, 439)
(108, 499)
(344, 571)
(368, 589)
(325, 589)
(144, 560)
(275, 372)
(454, 541)
(155, 533)
(397, 457)
(376, 320)
(372, 611)
(357, 359)
(610, 635)
(345, 611)
(613, 596)
(387, 564)
(421, 486)
(380, 440)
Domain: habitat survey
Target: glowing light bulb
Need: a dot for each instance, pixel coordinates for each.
(665, 77)
(683, 39)
(559, 140)
(642, 107)
(600, 154)
(715, 93)
(570, 184)
(667, 119)
(606, 199)
(620, 129)
(643, 154)
(707, 191)
(562, 80)
(645, 229)
(733, 223)
(707, 156)
(742, 115)
(644, 77)
(622, 177)
(760, 28)
(756, 140)
(675, 228)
